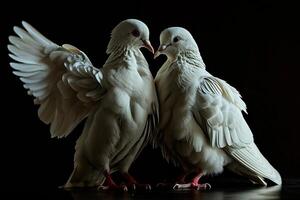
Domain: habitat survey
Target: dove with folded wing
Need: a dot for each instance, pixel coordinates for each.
(202, 128)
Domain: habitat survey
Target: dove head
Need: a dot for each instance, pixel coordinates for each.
(130, 33)
(175, 40)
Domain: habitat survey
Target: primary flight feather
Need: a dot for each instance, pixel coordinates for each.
(118, 99)
(201, 123)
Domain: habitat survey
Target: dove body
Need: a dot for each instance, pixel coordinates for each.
(177, 89)
(118, 99)
(201, 126)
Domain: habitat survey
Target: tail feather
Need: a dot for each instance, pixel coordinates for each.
(251, 158)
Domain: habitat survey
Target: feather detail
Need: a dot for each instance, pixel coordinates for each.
(251, 158)
(41, 69)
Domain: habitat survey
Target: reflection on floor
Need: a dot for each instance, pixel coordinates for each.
(289, 190)
(246, 194)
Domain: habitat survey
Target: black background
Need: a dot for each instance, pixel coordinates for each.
(253, 46)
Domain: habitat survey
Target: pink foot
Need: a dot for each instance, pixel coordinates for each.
(193, 185)
(133, 184)
(111, 185)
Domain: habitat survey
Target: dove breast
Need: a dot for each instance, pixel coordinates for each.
(181, 133)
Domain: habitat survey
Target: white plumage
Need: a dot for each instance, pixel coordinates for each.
(118, 99)
(201, 123)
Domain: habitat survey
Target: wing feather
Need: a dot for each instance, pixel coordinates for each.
(217, 106)
(220, 106)
(251, 158)
(63, 81)
(28, 67)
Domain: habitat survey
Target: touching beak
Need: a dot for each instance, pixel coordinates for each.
(160, 49)
(148, 46)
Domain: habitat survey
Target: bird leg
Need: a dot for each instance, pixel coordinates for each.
(194, 184)
(109, 184)
(133, 184)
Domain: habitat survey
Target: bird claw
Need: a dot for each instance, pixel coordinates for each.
(176, 186)
(147, 187)
(102, 187)
(136, 186)
(196, 186)
(204, 186)
(133, 184)
(179, 186)
(122, 187)
(132, 187)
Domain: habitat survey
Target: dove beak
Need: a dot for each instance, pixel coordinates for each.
(148, 45)
(160, 50)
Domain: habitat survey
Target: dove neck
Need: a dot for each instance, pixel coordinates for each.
(191, 57)
(117, 46)
(119, 54)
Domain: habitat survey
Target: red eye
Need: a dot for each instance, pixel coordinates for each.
(135, 33)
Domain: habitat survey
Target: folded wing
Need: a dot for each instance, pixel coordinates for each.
(218, 112)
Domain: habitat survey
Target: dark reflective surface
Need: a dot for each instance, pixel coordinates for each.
(289, 190)
(258, 193)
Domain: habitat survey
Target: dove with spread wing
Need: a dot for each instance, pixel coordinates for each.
(202, 128)
(118, 100)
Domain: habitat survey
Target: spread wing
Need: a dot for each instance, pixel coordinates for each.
(218, 113)
(61, 79)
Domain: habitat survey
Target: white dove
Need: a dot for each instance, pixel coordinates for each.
(201, 123)
(119, 100)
